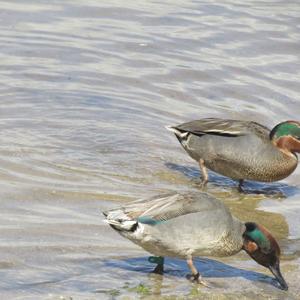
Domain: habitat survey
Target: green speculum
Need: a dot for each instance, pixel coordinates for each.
(148, 220)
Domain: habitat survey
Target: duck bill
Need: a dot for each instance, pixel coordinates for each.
(276, 272)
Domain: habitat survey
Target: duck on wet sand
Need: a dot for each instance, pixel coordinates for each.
(186, 225)
(241, 149)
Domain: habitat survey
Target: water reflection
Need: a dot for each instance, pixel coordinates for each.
(208, 268)
(274, 189)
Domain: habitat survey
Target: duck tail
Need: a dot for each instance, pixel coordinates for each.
(181, 135)
(119, 221)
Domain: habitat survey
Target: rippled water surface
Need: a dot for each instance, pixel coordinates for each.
(86, 90)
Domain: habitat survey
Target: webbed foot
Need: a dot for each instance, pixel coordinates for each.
(203, 184)
(197, 279)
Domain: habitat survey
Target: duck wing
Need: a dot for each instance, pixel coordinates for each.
(223, 127)
(155, 210)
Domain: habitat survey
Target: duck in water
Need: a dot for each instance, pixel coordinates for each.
(241, 149)
(187, 225)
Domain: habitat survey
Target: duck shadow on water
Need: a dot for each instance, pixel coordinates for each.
(208, 268)
(250, 187)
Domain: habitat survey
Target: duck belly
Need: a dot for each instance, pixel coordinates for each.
(241, 157)
(198, 234)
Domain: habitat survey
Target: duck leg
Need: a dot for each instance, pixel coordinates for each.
(195, 276)
(159, 260)
(204, 172)
(240, 187)
(159, 269)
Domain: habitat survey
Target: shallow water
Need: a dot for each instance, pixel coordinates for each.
(86, 90)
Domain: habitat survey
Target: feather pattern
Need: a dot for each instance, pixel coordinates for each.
(180, 224)
(237, 149)
(223, 127)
